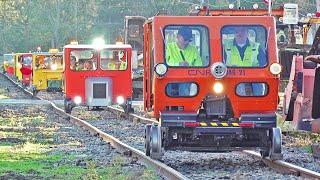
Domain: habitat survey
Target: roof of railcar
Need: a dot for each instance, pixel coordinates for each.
(89, 46)
(48, 53)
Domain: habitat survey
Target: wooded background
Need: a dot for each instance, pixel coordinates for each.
(27, 24)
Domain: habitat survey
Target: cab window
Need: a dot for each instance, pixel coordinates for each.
(27, 60)
(247, 89)
(83, 60)
(9, 58)
(244, 45)
(186, 46)
(113, 60)
(182, 89)
(53, 62)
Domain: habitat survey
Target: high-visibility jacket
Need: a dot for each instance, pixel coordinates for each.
(175, 55)
(113, 66)
(250, 58)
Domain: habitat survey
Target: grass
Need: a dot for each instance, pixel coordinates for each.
(88, 115)
(33, 160)
(2, 92)
(28, 150)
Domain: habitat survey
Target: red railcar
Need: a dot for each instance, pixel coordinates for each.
(204, 95)
(97, 76)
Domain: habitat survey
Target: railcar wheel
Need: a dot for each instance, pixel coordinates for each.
(147, 139)
(67, 106)
(276, 144)
(155, 152)
(129, 108)
(264, 153)
(34, 91)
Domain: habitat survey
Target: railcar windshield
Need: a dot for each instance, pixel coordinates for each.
(9, 58)
(27, 60)
(244, 45)
(50, 62)
(113, 60)
(186, 46)
(83, 60)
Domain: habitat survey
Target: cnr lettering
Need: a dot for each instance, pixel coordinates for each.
(198, 72)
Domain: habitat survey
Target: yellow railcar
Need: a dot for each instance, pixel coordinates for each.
(47, 71)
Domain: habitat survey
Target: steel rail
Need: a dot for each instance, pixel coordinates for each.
(163, 169)
(285, 167)
(278, 165)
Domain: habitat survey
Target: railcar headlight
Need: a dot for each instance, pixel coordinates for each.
(218, 87)
(77, 100)
(54, 67)
(219, 70)
(275, 68)
(231, 6)
(98, 43)
(161, 69)
(120, 100)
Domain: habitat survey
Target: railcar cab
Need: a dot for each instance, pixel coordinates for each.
(47, 71)
(8, 63)
(204, 99)
(23, 64)
(97, 76)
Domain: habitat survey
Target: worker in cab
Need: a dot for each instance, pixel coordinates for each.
(181, 52)
(116, 63)
(241, 52)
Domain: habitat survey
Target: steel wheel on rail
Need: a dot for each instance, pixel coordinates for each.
(67, 106)
(276, 144)
(155, 152)
(147, 139)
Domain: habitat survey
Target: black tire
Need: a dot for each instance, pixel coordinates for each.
(147, 139)
(264, 153)
(128, 107)
(275, 152)
(67, 107)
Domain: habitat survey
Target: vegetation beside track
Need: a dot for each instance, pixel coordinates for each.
(35, 145)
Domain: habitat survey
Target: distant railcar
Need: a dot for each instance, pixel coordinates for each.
(47, 71)
(8, 63)
(97, 76)
(23, 67)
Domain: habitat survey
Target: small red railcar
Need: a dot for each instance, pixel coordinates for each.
(97, 76)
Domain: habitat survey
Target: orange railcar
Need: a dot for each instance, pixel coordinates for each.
(212, 106)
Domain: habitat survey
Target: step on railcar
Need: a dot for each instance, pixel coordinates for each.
(209, 102)
(47, 71)
(8, 63)
(97, 76)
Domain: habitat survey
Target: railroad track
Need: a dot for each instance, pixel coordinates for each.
(279, 165)
(161, 168)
